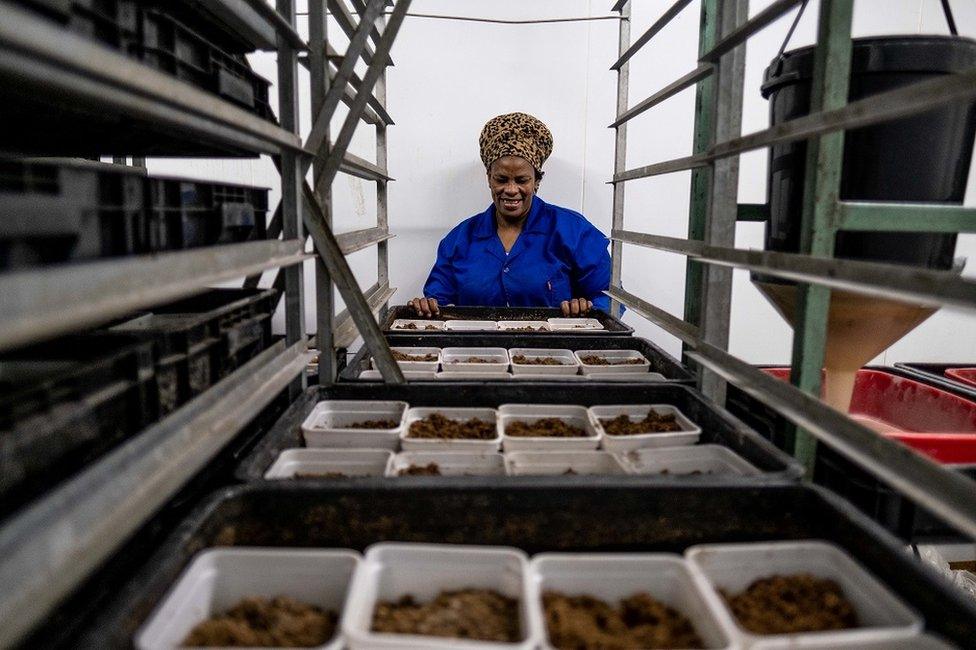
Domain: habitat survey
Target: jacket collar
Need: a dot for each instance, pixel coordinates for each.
(487, 228)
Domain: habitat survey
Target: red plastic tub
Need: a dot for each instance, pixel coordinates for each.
(932, 421)
(962, 375)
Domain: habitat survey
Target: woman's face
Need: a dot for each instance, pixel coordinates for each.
(512, 182)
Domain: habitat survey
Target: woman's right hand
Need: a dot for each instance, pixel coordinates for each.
(425, 306)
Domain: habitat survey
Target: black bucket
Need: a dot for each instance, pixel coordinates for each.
(922, 158)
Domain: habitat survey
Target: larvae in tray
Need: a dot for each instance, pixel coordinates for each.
(403, 356)
(437, 425)
(788, 604)
(527, 360)
(638, 621)
(653, 422)
(372, 424)
(545, 427)
(476, 360)
(476, 614)
(281, 622)
(595, 360)
(430, 469)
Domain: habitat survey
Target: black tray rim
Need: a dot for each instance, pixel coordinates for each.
(620, 328)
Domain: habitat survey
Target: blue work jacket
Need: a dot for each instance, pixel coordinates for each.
(559, 255)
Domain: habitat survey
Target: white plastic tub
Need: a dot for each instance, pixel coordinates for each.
(456, 360)
(349, 462)
(613, 577)
(575, 325)
(421, 325)
(451, 463)
(468, 376)
(688, 435)
(733, 567)
(471, 325)
(615, 361)
(530, 413)
(412, 375)
(217, 579)
(569, 362)
(328, 425)
(423, 366)
(519, 325)
(453, 444)
(555, 463)
(390, 571)
(650, 377)
(684, 461)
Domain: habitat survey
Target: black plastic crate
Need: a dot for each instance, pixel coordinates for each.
(59, 212)
(596, 515)
(661, 361)
(65, 402)
(613, 326)
(185, 213)
(934, 374)
(718, 426)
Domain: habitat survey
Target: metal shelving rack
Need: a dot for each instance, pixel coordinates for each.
(51, 546)
(704, 330)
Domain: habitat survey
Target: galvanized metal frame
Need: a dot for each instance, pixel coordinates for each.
(714, 210)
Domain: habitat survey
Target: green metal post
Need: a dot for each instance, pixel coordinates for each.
(831, 72)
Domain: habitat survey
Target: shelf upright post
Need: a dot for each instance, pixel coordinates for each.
(382, 206)
(291, 179)
(620, 153)
(324, 289)
(821, 208)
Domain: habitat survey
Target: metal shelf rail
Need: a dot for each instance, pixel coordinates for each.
(714, 211)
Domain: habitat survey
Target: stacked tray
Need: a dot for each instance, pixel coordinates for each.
(521, 321)
(677, 544)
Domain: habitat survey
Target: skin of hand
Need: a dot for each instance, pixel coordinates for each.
(576, 306)
(425, 306)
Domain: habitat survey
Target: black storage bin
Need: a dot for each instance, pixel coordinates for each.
(613, 326)
(661, 361)
(934, 374)
(561, 514)
(185, 213)
(60, 212)
(881, 162)
(65, 402)
(718, 426)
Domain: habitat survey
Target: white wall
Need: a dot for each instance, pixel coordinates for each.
(450, 77)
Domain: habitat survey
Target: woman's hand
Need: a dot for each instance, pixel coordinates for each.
(426, 306)
(576, 306)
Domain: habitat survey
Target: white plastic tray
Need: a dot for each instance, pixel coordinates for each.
(453, 413)
(573, 415)
(614, 357)
(422, 325)
(555, 463)
(506, 325)
(471, 325)
(733, 567)
(350, 462)
(424, 366)
(217, 579)
(454, 360)
(391, 571)
(570, 364)
(911, 642)
(464, 376)
(327, 424)
(613, 577)
(682, 461)
(415, 375)
(575, 325)
(627, 376)
(689, 434)
(451, 463)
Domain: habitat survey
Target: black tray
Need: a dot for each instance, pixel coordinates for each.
(536, 516)
(934, 375)
(717, 425)
(661, 361)
(614, 326)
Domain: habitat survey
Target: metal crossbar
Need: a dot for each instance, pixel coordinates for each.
(644, 38)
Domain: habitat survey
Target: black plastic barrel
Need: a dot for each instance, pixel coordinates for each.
(922, 158)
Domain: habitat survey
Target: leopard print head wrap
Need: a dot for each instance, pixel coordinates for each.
(515, 134)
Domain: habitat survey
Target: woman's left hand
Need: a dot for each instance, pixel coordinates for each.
(576, 306)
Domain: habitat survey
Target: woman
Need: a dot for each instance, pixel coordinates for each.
(521, 251)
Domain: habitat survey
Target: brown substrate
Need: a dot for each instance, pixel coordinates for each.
(430, 469)
(372, 424)
(478, 614)
(546, 427)
(653, 422)
(639, 621)
(594, 360)
(476, 360)
(792, 603)
(413, 326)
(403, 356)
(527, 328)
(523, 360)
(436, 425)
(257, 622)
(321, 475)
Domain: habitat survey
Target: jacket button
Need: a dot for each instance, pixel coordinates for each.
(506, 269)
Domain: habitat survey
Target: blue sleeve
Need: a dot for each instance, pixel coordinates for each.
(592, 268)
(441, 283)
